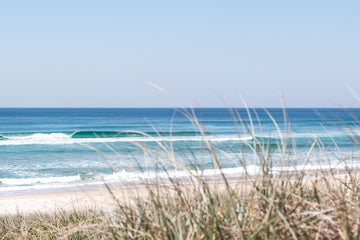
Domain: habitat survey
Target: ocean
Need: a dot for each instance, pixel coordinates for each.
(50, 149)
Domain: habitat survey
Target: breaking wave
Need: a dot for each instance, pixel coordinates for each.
(83, 137)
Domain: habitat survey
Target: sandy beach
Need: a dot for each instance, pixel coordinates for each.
(79, 199)
(54, 201)
(74, 199)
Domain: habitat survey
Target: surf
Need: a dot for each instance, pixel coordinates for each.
(84, 137)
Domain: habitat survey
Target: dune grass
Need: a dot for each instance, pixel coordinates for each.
(317, 204)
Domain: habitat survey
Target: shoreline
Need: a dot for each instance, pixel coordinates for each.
(99, 197)
(81, 198)
(139, 179)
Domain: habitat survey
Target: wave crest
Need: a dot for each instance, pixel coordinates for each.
(85, 137)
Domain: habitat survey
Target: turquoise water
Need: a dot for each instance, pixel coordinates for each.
(43, 149)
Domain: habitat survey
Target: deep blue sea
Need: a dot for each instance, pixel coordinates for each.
(42, 149)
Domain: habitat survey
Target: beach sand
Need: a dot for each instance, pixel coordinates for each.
(62, 200)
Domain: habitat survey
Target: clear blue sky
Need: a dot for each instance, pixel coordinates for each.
(102, 53)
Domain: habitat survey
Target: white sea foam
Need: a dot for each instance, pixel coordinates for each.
(61, 138)
(123, 178)
(251, 170)
(37, 138)
(43, 180)
(175, 174)
(318, 167)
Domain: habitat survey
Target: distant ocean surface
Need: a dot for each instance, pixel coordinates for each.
(44, 149)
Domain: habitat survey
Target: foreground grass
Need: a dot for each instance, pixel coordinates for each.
(325, 206)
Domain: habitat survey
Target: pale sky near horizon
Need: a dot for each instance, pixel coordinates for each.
(103, 53)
